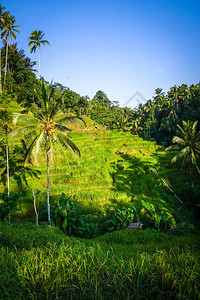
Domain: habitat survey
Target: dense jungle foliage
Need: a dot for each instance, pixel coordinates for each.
(75, 172)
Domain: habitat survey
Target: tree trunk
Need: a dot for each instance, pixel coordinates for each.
(7, 160)
(8, 176)
(6, 59)
(39, 62)
(35, 207)
(48, 203)
(0, 65)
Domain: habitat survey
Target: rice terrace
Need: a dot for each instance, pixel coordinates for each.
(97, 200)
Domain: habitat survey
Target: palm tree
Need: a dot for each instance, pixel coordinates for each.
(35, 41)
(9, 31)
(158, 94)
(46, 127)
(2, 13)
(17, 170)
(188, 144)
(5, 121)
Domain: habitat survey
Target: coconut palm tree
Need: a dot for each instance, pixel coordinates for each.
(2, 14)
(35, 41)
(46, 127)
(9, 31)
(5, 122)
(188, 145)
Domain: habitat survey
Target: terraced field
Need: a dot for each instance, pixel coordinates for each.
(115, 168)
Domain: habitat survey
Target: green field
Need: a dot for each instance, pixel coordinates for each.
(115, 169)
(43, 263)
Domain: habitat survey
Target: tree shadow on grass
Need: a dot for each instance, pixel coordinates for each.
(177, 175)
(133, 175)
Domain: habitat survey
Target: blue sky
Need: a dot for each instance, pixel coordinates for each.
(119, 47)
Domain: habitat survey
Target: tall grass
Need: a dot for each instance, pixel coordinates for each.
(90, 273)
(43, 263)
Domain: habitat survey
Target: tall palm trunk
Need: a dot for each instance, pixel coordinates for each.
(7, 161)
(8, 175)
(39, 62)
(0, 65)
(7, 39)
(48, 203)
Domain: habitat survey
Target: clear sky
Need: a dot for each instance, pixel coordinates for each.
(117, 46)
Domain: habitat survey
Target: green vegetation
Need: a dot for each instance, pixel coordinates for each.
(46, 263)
(79, 248)
(35, 41)
(188, 145)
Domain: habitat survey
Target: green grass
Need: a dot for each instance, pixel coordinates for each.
(115, 170)
(43, 263)
(115, 167)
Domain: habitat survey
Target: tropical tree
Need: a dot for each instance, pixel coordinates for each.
(46, 127)
(158, 95)
(2, 14)
(9, 31)
(5, 122)
(136, 126)
(188, 145)
(17, 171)
(35, 41)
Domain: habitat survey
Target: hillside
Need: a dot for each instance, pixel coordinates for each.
(115, 169)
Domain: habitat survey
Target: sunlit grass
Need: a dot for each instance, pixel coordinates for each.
(42, 262)
(113, 165)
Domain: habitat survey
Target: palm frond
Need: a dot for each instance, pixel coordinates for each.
(66, 142)
(64, 118)
(173, 148)
(37, 111)
(31, 147)
(45, 42)
(175, 158)
(21, 131)
(181, 129)
(178, 140)
(54, 109)
(39, 143)
(62, 127)
(184, 152)
(21, 119)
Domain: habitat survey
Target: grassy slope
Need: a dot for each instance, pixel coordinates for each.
(115, 168)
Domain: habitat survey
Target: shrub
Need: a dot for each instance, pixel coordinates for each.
(9, 204)
(162, 220)
(122, 218)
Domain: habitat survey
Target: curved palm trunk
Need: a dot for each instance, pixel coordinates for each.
(6, 58)
(48, 203)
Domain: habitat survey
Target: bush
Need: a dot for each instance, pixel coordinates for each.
(122, 218)
(9, 204)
